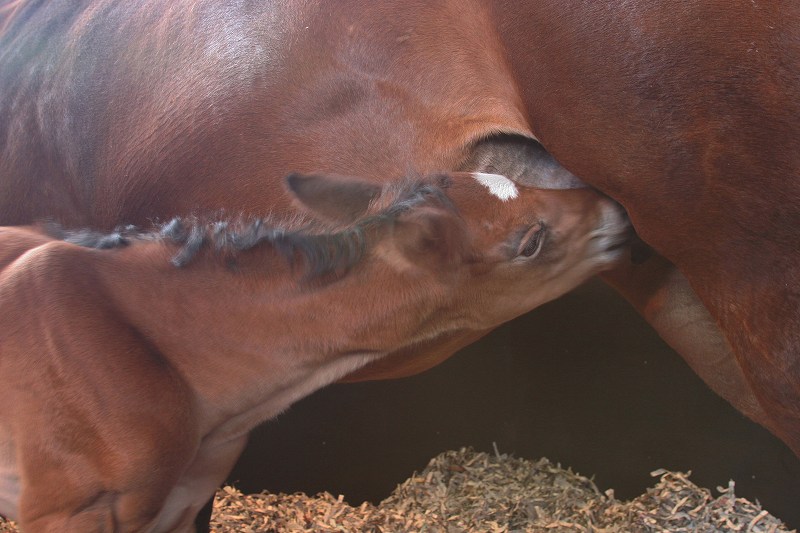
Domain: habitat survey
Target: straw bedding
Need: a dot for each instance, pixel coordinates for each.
(471, 491)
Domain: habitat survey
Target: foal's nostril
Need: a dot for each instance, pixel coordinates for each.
(614, 219)
(614, 231)
(621, 236)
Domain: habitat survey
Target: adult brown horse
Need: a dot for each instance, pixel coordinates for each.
(688, 113)
(129, 385)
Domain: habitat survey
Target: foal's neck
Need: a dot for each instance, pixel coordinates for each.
(252, 340)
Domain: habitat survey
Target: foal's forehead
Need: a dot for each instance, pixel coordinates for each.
(498, 185)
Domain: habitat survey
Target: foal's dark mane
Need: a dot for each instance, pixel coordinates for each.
(324, 250)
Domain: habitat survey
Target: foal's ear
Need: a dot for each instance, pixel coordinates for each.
(332, 198)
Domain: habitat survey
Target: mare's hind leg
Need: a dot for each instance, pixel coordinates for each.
(666, 300)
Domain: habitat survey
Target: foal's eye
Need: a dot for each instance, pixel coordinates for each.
(532, 242)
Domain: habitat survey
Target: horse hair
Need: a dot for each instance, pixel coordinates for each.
(324, 251)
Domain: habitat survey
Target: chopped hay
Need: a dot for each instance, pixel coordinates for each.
(470, 491)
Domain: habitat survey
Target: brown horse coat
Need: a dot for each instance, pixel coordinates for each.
(688, 113)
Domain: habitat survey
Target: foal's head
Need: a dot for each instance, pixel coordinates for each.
(503, 248)
(498, 249)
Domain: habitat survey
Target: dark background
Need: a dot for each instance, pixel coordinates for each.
(583, 381)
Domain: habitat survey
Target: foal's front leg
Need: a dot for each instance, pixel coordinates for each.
(85, 478)
(111, 492)
(77, 511)
(197, 487)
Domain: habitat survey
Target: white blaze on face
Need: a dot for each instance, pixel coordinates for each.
(498, 185)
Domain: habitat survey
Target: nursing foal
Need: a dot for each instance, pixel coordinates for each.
(134, 365)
